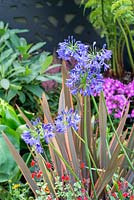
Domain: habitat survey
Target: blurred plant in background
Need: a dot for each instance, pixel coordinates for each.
(117, 96)
(84, 163)
(114, 20)
(22, 69)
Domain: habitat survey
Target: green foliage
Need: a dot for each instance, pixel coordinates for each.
(22, 68)
(123, 9)
(8, 168)
(113, 19)
(9, 122)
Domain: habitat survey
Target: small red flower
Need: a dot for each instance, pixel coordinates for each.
(48, 165)
(32, 163)
(39, 174)
(132, 197)
(114, 194)
(82, 165)
(33, 174)
(65, 178)
(125, 194)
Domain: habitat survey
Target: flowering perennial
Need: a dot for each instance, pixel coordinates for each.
(117, 96)
(86, 77)
(67, 119)
(40, 131)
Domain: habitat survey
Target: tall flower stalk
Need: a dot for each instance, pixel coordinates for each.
(83, 159)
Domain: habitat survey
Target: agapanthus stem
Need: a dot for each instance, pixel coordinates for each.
(91, 157)
(95, 105)
(86, 146)
(65, 162)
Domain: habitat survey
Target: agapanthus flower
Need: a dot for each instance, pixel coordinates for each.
(67, 119)
(103, 56)
(39, 132)
(71, 48)
(86, 77)
(48, 130)
(32, 140)
(86, 80)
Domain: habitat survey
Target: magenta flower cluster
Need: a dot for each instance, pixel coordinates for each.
(117, 96)
(86, 76)
(40, 131)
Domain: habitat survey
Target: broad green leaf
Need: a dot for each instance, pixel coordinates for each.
(4, 38)
(7, 63)
(8, 167)
(13, 135)
(11, 94)
(56, 77)
(14, 40)
(1, 25)
(23, 42)
(8, 115)
(22, 97)
(35, 89)
(46, 63)
(17, 72)
(42, 78)
(15, 31)
(15, 86)
(5, 83)
(36, 47)
(5, 54)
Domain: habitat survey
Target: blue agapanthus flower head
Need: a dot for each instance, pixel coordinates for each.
(38, 133)
(71, 48)
(32, 141)
(67, 119)
(86, 77)
(48, 130)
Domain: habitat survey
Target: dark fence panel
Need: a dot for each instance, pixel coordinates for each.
(48, 20)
